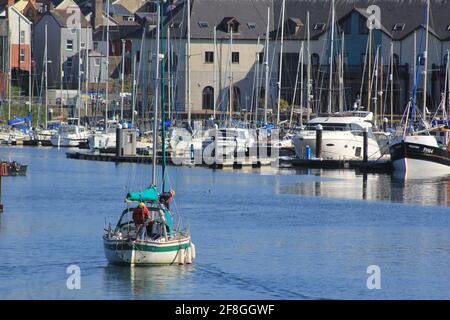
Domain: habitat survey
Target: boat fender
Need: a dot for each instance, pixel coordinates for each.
(192, 247)
(181, 256)
(188, 255)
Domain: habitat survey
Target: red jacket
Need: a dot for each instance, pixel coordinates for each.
(139, 214)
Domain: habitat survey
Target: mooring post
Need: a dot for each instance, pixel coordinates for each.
(365, 144)
(1, 205)
(118, 141)
(319, 130)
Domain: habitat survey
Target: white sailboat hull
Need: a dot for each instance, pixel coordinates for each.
(131, 252)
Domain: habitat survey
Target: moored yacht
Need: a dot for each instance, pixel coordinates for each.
(342, 137)
(70, 135)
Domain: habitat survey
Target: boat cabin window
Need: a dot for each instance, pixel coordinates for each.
(329, 126)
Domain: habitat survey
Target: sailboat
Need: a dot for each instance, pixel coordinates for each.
(165, 242)
(416, 151)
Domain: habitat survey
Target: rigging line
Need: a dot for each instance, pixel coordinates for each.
(417, 61)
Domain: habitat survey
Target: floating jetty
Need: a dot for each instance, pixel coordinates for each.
(108, 157)
(364, 166)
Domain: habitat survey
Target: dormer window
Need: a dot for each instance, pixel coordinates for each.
(233, 27)
(203, 24)
(229, 24)
(294, 25)
(320, 26)
(398, 27)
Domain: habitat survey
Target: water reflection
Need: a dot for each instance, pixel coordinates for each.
(348, 184)
(147, 282)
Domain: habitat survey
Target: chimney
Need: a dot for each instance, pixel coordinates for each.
(10, 4)
(97, 13)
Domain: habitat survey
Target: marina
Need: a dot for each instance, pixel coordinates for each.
(224, 149)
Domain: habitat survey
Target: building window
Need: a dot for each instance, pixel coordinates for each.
(73, 30)
(22, 55)
(149, 56)
(22, 36)
(138, 56)
(398, 27)
(320, 26)
(69, 62)
(208, 98)
(83, 45)
(95, 46)
(203, 24)
(69, 44)
(396, 59)
(346, 26)
(233, 27)
(363, 25)
(235, 57)
(420, 59)
(315, 60)
(261, 57)
(251, 25)
(97, 61)
(209, 57)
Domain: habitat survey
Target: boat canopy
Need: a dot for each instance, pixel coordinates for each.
(149, 194)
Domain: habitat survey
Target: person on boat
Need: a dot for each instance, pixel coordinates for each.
(140, 217)
(165, 198)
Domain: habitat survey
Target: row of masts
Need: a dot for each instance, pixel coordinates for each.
(371, 71)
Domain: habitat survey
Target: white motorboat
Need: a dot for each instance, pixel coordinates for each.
(342, 137)
(69, 135)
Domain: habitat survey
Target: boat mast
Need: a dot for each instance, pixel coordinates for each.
(266, 89)
(215, 71)
(231, 76)
(29, 74)
(425, 56)
(391, 77)
(46, 78)
(169, 68)
(256, 93)
(61, 80)
(341, 76)
(156, 101)
(79, 76)
(188, 60)
(107, 65)
(369, 71)
(86, 74)
(330, 84)
(123, 80)
(163, 114)
(299, 66)
(308, 71)
(133, 103)
(280, 71)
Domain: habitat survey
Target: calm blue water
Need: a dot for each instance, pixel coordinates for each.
(260, 234)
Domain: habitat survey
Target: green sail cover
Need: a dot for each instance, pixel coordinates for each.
(149, 194)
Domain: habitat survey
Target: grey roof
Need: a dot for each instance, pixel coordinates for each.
(118, 9)
(62, 17)
(215, 12)
(410, 12)
(252, 17)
